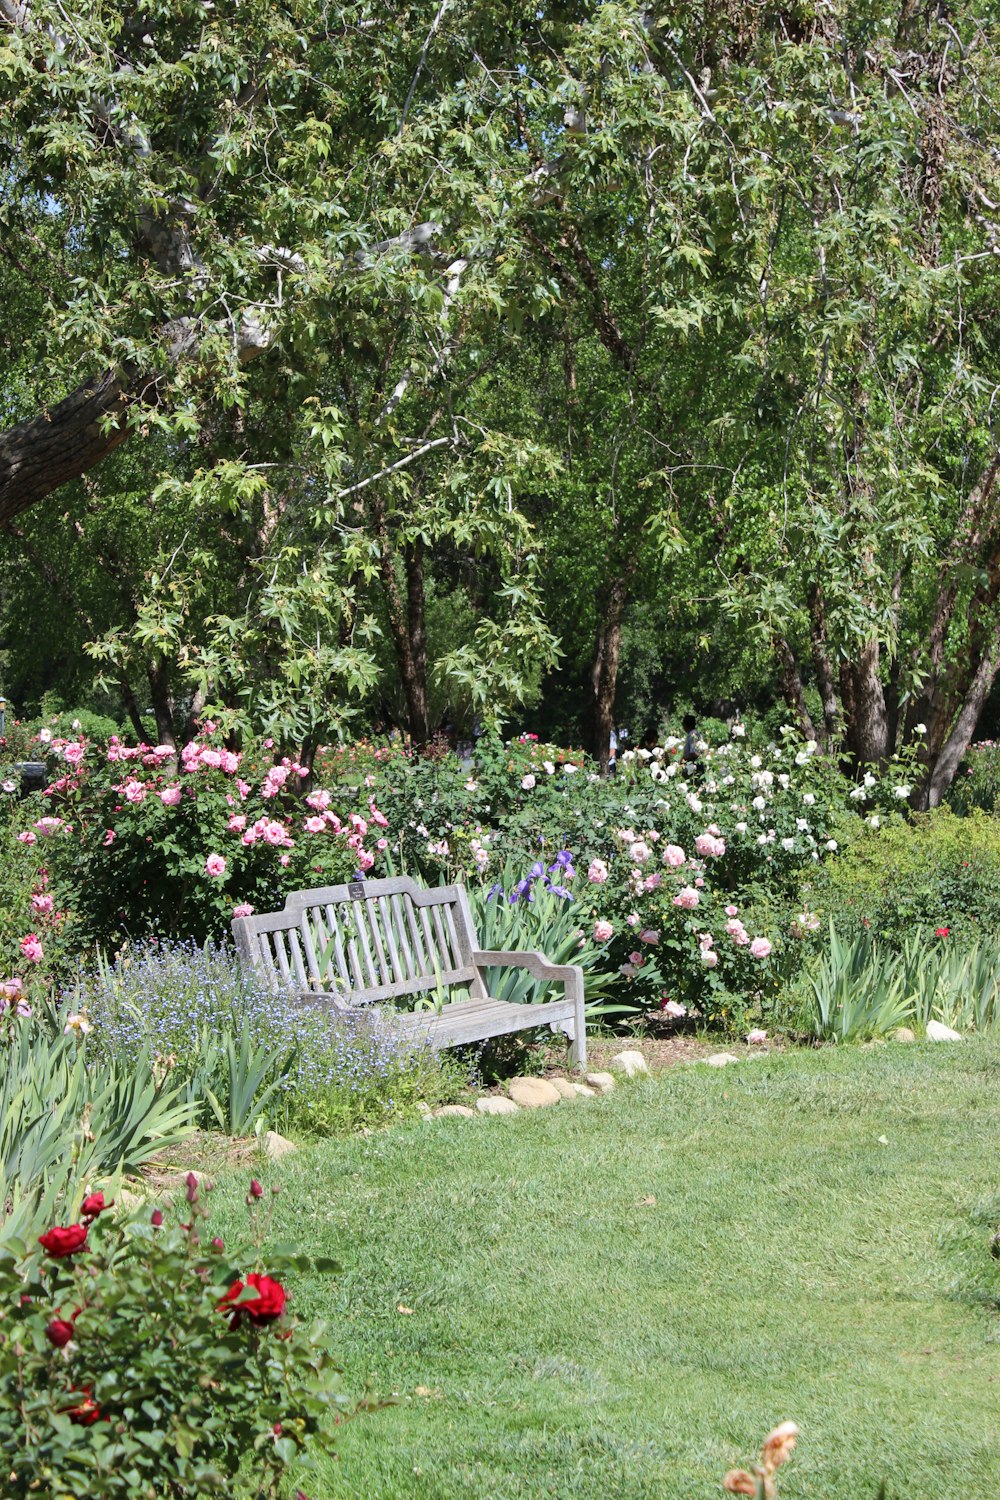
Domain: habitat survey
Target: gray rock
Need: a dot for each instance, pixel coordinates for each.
(564, 1087)
(721, 1059)
(630, 1063)
(495, 1104)
(938, 1032)
(602, 1082)
(583, 1091)
(278, 1146)
(904, 1034)
(461, 1110)
(533, 1093)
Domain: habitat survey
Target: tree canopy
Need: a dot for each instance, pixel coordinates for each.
(372, 364)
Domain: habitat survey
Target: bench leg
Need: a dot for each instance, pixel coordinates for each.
(578, 1043)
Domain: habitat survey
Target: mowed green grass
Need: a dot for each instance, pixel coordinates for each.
(579, 1340)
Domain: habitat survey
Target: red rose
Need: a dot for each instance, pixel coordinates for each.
(59, 1332)
(87, 1412)
(95, 1205)
(942, 932)
(63, 1240)
(268, 1305)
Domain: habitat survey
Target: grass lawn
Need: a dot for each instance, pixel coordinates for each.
(572, 1337)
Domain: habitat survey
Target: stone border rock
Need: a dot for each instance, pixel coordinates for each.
(540, 1093)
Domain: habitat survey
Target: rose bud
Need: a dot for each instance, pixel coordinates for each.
(256, 1191)
(217, 1244)
(277, 1429)
(59, 1332)
(94, 1205)
(192, 1188)
(156, 1218)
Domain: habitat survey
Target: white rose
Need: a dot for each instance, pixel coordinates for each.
(756, 762)
(808, 799)
(830, 844)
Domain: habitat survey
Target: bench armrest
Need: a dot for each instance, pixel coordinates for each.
(536, 964)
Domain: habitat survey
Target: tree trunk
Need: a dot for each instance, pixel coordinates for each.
(415, 680)
(868, 718)
(163, 709)
(822, 666)
(604, 670)
(791, 687)
(60, 444)
(946, 764)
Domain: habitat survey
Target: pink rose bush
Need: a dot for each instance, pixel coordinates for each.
(140, 838)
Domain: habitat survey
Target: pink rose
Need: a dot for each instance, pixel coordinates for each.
(381, 843)
(649, 936)
(135, 792)
(274, 833)
(379, 819)
(215, 865)
(358, 824)
(636, 959)
(74, 753)
(230, 762)
(687, 897)
(250, 836)
(32, 949)
(109, 838)
(319, 800)
(237, 822)
(760, 948)
(709, 958)
(527, 782)
(244, 788)
(597, 872)
(243, 910)
(737, 932)
(283, 859)
(639, 852)
(365, 860)
(652, 882)
(315, 825)
(602, 931)
(211, 758)
(673, 855)
(170, 796)
(731, 911)
(41, 902)
(757, 1037)
(672, 1008)
(709, 846)
(632, 919)
(27, 838)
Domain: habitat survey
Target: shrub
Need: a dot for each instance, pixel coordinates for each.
(137, 842)
(977, 784)
(152, 1360)
(937, 871)
(242, 1051)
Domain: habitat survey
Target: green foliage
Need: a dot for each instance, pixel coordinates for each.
(553, 925)
(938, 870)
(65, 1110)
(863, 988)
(242, 1054)
(160, 1390)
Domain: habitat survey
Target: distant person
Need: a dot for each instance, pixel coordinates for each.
(613, 753)
(689, 755)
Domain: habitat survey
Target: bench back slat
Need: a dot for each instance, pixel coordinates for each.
(376, 940)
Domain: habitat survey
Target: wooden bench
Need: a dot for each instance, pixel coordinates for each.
(385, 940)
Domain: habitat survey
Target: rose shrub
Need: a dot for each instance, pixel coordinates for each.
(141, 1358)
(135, 840)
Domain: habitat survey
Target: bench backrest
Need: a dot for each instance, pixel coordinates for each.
(370, 940)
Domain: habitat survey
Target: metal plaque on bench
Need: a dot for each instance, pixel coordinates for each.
(356, 890)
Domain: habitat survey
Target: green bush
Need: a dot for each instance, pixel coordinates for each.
(146, 1359)
(978, 781)
(937, 871)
